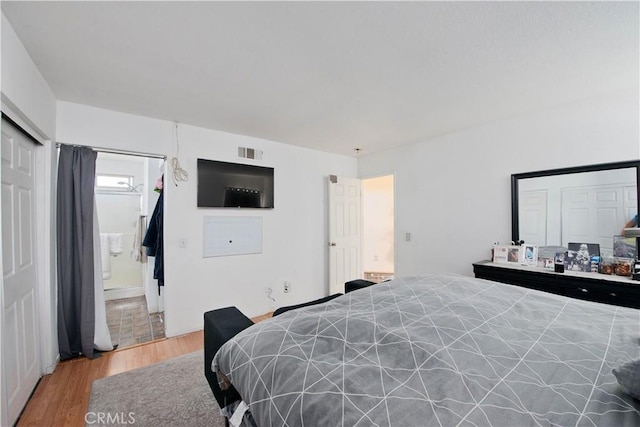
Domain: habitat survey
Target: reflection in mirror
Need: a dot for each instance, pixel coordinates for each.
(590, 206)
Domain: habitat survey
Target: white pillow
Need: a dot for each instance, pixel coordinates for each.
(628, 376)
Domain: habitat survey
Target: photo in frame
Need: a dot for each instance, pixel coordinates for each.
(558, 262)
(507, 254)
(513, 254)
(624, 247)
(529, 255)
(579, 256)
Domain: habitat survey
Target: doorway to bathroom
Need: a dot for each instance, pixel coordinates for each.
(378, 228)
(125, 198)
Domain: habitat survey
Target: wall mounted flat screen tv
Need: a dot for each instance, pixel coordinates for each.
(234, 185)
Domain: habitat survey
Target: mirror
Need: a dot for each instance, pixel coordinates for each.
(589, 204)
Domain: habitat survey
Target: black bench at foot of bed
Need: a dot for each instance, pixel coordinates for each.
(354, 285)
(219, 327)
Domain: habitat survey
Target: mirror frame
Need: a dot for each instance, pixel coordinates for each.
(515, 178)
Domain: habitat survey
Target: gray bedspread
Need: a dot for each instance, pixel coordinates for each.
(438, 350)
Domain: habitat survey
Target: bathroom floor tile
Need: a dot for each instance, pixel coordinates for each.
(130, 323)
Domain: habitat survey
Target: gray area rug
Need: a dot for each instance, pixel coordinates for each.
(170, 393)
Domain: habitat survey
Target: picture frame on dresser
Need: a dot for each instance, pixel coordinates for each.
(579, 256)
(530, 255)
(624, 247)
(515, 254)
(507, 254)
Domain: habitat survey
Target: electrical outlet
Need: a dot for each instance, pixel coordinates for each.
(287, 287)
(182, 243)
(407, 237)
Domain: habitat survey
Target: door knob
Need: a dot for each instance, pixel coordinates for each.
(332, 244)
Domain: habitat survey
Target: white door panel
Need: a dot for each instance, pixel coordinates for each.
(607, 222)
(11, 366)
(20, 352)
(630, 202)
(532, 217)
(596, 215)
(25, 227)
(7, 230)
(345, 235)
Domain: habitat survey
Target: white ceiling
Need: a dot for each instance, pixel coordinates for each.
(331, 75)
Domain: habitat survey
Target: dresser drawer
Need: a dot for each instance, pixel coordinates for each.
(589, 286)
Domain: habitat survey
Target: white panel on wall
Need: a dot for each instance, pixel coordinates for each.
(223, 236)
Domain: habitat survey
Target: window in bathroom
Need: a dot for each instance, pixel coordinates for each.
(114, 182)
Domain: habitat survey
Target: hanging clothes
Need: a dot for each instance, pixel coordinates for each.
(154, 243)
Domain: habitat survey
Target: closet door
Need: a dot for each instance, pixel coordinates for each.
(20, 350)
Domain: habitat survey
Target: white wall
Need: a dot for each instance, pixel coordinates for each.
(23, 87)
(294, 233)
(453, 191)
(28, 100)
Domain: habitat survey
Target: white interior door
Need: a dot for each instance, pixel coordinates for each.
(345, 234)
(532, 217)
(596, 214)
(20, 345)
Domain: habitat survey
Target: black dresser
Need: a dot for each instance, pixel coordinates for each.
(589, 286)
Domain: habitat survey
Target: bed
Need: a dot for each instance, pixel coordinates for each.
(439, 350)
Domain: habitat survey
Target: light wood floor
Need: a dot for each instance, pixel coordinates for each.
(62, 398)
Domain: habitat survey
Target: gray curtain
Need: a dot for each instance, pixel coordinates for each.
(76, 291)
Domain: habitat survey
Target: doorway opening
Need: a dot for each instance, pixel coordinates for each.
(378, 219)
(125, 197)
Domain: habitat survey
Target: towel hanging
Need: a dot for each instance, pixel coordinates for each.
(115, 243)
(138, 252)
(105, 256)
